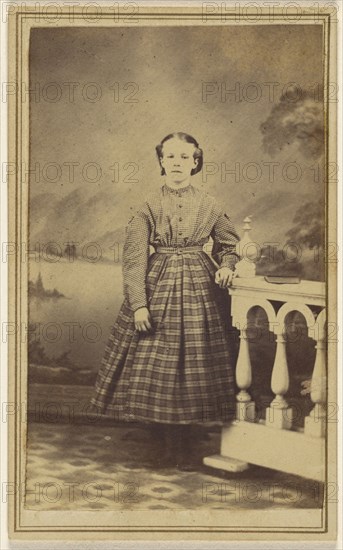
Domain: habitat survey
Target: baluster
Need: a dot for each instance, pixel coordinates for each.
(279, 415)
(246, 266)
(245, 406)
(315, 423)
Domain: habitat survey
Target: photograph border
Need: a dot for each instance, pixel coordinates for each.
(20, 22)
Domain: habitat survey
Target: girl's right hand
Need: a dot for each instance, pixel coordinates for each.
(142, 318)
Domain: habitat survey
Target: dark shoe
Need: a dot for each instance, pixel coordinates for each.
(162, 455)
(186, 466)
(185, 459)
(174, 448)
(160, 463)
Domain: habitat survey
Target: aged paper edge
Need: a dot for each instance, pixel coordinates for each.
(29, 526)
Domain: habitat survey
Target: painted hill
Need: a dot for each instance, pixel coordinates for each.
(87, 216)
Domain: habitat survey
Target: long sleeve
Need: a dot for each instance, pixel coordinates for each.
(225, 239)
(135, 260)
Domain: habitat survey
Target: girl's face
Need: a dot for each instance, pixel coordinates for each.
(178, 160)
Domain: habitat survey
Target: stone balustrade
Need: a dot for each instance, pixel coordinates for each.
(275, 442)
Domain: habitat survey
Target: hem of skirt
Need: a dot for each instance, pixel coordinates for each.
(119, 415)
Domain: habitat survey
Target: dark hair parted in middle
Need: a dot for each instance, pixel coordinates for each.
(198, 154)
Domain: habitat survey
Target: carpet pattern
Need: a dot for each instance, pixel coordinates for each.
(101, 467)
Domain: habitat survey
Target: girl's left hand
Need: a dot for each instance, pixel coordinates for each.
(224, 277)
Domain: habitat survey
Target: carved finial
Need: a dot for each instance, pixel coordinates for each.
(246, 251)
(247, 223)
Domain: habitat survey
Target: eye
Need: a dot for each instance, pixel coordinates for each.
(185, 156)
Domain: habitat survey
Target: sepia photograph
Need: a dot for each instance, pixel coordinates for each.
(172, 260)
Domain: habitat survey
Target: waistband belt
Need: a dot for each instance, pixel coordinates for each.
(178, 249)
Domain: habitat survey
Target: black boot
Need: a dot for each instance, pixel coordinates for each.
(174, 447)
(163, 456)
(177, 445)
(183, 449)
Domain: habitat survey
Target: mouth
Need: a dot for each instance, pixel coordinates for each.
(176, 172)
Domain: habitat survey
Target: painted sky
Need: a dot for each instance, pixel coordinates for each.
(169, 67)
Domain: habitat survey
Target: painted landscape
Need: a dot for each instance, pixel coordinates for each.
(95, 162)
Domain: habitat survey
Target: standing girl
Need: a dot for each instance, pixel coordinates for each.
(168, 359)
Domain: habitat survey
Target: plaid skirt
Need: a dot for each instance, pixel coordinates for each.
(181, 372)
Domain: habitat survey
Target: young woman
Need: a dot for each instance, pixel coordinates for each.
(168, 360)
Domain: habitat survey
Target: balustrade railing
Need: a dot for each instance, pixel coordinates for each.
(276, 441)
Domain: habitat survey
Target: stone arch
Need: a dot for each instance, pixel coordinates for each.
(267, 307)
(287, 308)
(320, 326)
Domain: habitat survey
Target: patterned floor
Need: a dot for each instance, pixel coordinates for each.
(88, 467)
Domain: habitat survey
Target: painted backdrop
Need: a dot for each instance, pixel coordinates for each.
(100, 101)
